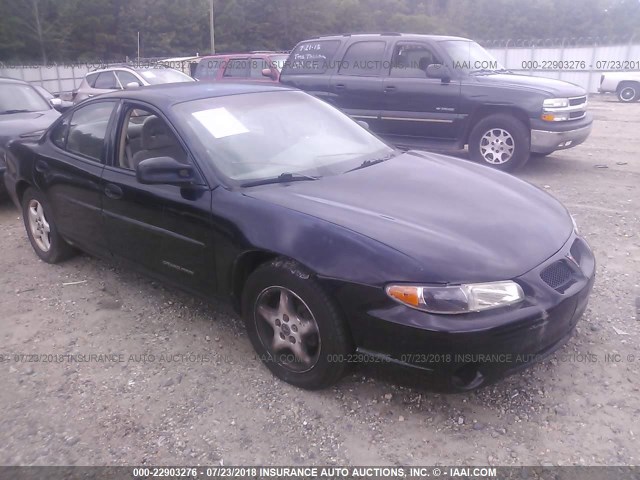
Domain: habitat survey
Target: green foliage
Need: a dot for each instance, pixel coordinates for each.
(83, 30)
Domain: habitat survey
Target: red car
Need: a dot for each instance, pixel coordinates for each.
(253, 67)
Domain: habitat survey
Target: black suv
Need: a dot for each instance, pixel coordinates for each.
(442, 93)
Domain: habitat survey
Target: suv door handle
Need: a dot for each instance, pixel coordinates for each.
(390, 88)
(340, 86)
(41, 166)
(113, 191)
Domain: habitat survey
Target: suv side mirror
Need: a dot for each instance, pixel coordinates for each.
(437, 70)
(164, 170)
(131, 85)
(266, 72)
(363, 124)
(56, 103)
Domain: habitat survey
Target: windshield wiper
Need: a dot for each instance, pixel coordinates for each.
(285, 177)
(7, 112)
(373, 161)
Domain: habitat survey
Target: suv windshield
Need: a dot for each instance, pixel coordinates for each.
(156, 76)
(17, 97)
(470, 57)
(264, 135)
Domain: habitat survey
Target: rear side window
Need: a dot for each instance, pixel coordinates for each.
(237, 68)
(311, 57)
(363, 59)
(107, 81)
(91, 79)
(88, 130)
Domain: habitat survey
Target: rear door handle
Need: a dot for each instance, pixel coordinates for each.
(113, 191)
(390, 88)
(340, 86)
(41, 166)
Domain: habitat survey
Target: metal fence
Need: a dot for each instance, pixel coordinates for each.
(580, 60)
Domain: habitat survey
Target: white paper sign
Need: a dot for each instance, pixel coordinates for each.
(220, 122)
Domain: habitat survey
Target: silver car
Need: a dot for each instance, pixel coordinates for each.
(121, 77)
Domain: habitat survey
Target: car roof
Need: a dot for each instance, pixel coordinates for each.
(404, 36)
(266, 53)
(168, 94)
(13, 80)
(111, 68)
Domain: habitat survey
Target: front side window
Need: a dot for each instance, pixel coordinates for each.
(88, 130)
(106, 81)
(60, 133)
(261, 135)
(470, 57)
(364, 59)
(146, 135)
(126, 78)
(411, 60)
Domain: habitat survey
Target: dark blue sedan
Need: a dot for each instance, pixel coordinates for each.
(333, 246)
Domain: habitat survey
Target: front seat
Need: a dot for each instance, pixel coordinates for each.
(158, 140)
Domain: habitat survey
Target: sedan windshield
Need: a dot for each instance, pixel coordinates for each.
(280, 135)
(16, 98)
(156, 76)
(470, 57)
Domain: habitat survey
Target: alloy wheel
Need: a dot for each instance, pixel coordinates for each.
(39, 226)
(497, 146)
(287, 329)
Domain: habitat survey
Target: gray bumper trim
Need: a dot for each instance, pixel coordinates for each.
(544, 141)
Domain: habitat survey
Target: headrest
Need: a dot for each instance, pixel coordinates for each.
(156, 134)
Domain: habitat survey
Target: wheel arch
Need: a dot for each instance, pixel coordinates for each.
(484, 111)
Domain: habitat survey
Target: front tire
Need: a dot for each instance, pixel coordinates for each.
(41, 228)
(294, 326)
(500, 141)
(629, 92)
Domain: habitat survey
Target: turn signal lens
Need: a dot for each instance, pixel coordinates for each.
(455, 299)
(405, 294)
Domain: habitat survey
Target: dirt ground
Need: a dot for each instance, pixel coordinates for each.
(186, 388)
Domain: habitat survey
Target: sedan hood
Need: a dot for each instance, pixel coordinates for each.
(556, 88)
(456, 221)
(15, 124)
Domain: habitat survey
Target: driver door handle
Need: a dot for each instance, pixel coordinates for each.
(113, 191)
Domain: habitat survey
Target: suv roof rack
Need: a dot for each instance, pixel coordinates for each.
(395, 34)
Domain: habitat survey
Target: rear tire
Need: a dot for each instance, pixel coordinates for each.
(500, 141)
(629, 92)
(294, 326)
(41, 228)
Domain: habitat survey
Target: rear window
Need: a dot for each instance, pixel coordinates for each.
(311, 57)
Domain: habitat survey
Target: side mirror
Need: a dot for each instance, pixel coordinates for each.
(131, 85)
(437, 70)
(266, 72)
(166, 171)
(56, 103)
(363, 124)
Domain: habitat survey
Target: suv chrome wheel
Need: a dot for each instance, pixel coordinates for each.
(497, 146)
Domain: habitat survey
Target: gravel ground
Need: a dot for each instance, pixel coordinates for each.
(190, 391)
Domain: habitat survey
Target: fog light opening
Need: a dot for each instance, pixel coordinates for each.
(468, 377)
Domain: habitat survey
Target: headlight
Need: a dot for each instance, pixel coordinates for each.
(452, 299)
(555, 103)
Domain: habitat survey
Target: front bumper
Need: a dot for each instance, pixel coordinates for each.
(546, 141)
(462, 352)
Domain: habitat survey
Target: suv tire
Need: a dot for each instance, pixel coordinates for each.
(629, 92)
(500, 141)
